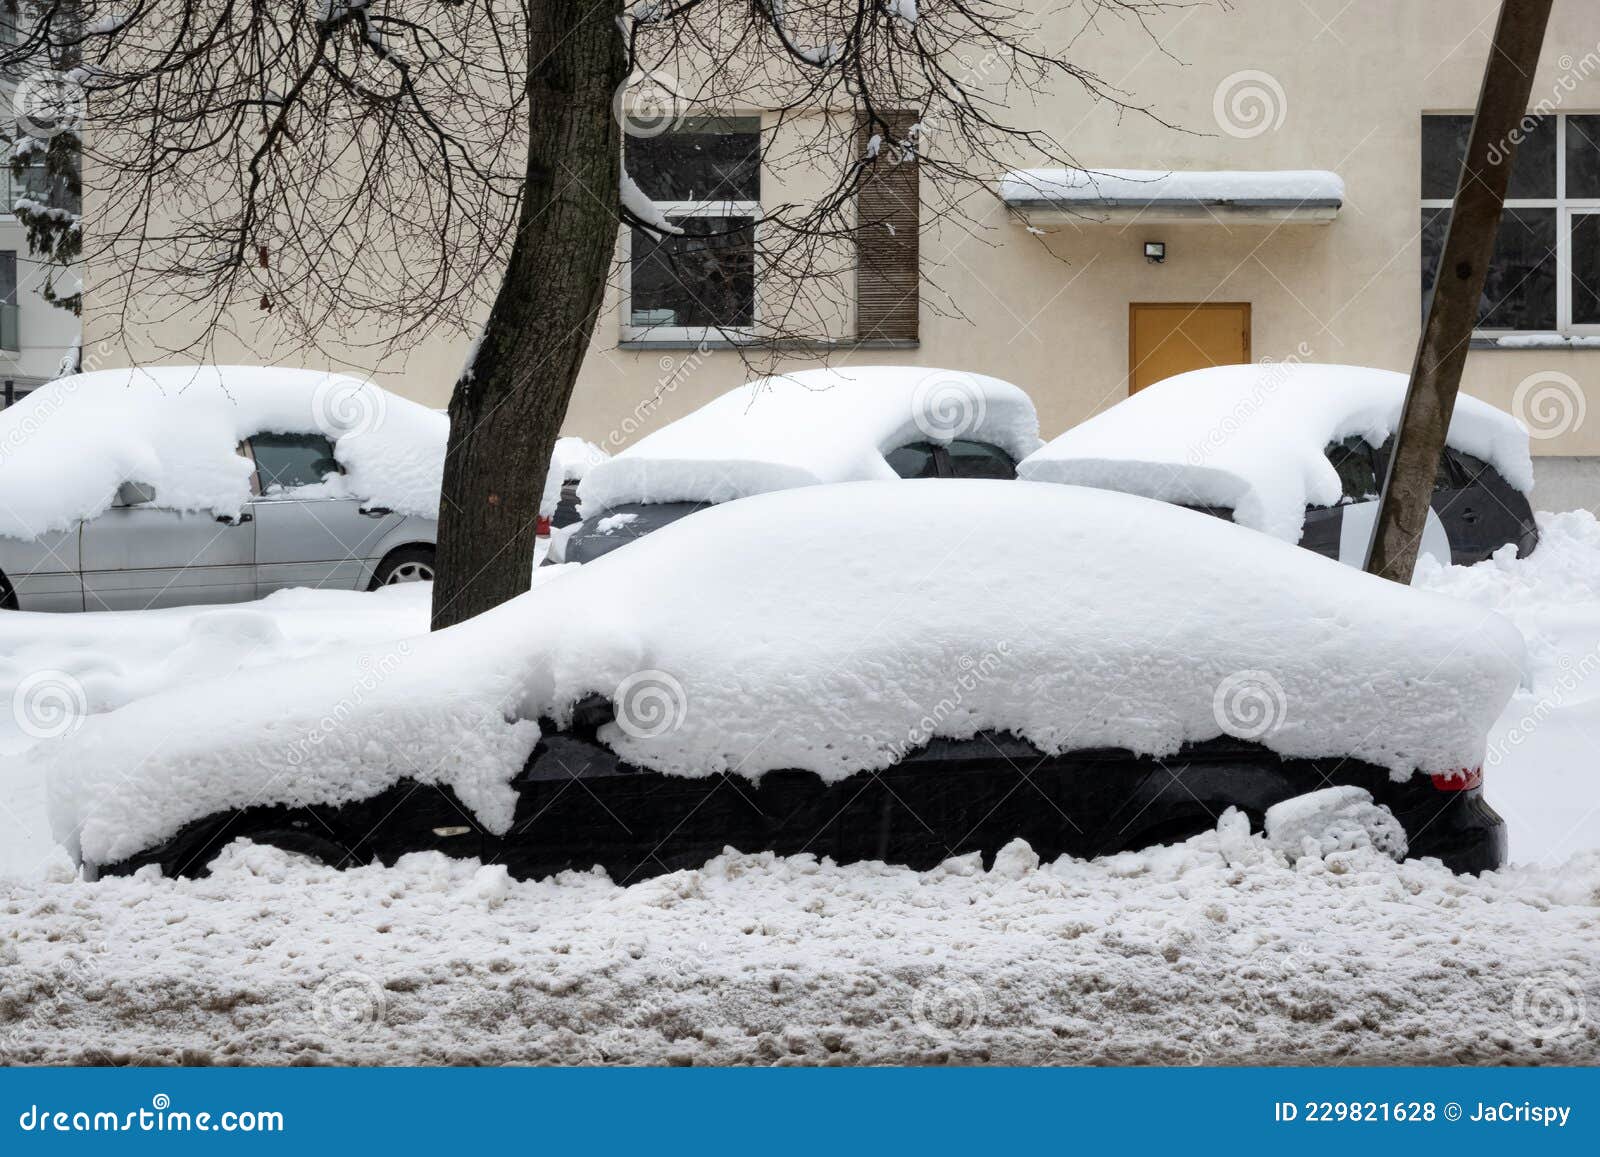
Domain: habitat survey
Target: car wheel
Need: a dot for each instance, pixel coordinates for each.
(409, 564)
(299, 844)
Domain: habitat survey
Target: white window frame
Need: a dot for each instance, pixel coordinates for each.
(1566, 209)
(693, 334)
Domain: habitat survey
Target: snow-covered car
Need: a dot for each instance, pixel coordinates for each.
(1299, 451)
(129, 489)
(824, 670)
(844, 424)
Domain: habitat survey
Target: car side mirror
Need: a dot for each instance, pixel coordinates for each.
(135, 494)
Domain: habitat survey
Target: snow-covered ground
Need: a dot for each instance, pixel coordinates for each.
(1216, 951)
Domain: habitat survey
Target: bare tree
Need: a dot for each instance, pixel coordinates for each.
(407, 166)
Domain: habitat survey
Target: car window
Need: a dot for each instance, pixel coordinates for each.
(1358, 475)
(915, 460)
(1444, 478)
(979, 460)
(1468, 466)
(286, 461)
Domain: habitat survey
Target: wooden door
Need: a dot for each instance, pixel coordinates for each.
(1166, 338)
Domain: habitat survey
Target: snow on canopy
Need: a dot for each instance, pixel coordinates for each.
(1155, 186)
(67, 446)
(801, 429)
(1252, 438)
(832, 629)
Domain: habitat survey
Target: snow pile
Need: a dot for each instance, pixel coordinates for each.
(819, 629)
(1155, 186)
(571, 460)
(1336, 819)
(1251, 438)
(1167, 956)
(825, 425)
(68, 445)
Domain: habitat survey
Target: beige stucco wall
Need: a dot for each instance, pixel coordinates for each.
(1051, 313)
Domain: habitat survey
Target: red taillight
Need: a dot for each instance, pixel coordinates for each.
(1463, 780)
(542, 527)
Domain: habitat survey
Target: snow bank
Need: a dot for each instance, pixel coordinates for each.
(1167, 956)
(1149, 186)
(825, 425)
(68, 445)
(1335, 819)
(1251, 438)
(831, 629)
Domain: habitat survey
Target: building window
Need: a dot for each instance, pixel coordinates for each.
(10, 319)
(705, 177)
(1545, 273)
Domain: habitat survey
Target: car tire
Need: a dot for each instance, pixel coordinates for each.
(409, 564)
(8, 597)
(302, 844)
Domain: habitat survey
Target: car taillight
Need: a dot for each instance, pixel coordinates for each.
(542, 527)
(1463, 780)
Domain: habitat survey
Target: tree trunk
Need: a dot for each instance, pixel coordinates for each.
(507, 408)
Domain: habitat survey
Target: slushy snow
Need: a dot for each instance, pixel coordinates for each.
(1251, 438)
(815, 426)
(817, 629)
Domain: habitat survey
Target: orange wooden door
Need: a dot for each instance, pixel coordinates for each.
(1166, 338)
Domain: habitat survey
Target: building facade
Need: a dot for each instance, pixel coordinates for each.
(1360, 106)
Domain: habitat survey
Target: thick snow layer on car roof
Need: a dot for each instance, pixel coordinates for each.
(800, 429)
(68, 445)
(1252, 438)
(832, 629)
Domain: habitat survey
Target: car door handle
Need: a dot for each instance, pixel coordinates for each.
(1469, 516)
(374, 511)
(229, 520)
